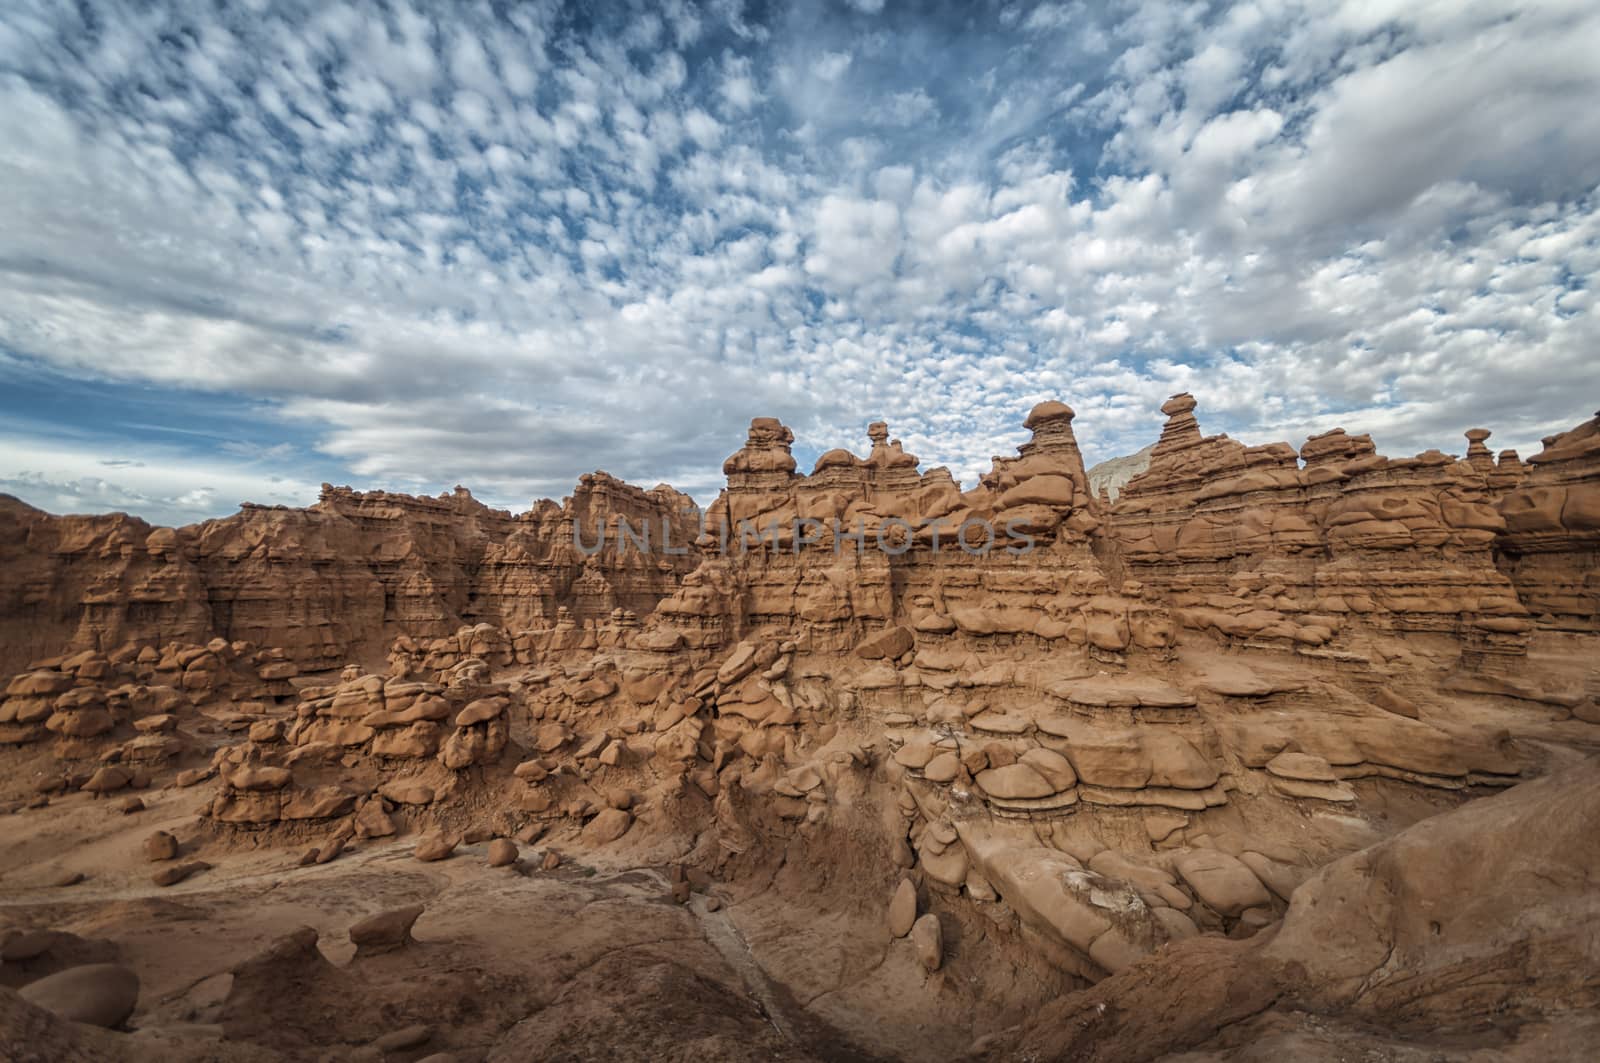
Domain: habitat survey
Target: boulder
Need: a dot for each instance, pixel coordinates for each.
(436, 847)
(160, 846)
(944, 767)
(902, 908)
(1017, 781)
(888, 644)
(385, 930)
(372, 821)
(171, 876)
(1221, 881)
(928, 939)
(607, 827)
(18, 946)
(407, 792)
(260, 777)
(404, 1038)
(1055, 768)
(481, 711)
(108, 780)
(99, 994)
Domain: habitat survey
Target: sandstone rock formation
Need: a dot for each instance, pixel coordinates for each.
(868, 730)
(335, 581)
(1550, 548)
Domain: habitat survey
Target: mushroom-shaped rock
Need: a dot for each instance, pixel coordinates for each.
(1047, 411)
(40, 683)
(1013, 782)
(81, 723)
(385, 930)
(928, 939)
(99, 994)
(1183, 402)
(481, 711)
(902, 908)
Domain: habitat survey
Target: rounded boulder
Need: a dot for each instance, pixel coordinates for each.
(99, 994)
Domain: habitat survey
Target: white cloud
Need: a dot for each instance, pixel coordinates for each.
(856, 240)
(830, 66)
(165, 487)
(503, 253)
(906, 108)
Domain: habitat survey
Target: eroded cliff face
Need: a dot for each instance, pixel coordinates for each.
(1325, 547)
(947, 756)
(1256, 543)
(1550, 548)
(336, 581)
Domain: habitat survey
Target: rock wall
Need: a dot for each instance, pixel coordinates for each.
(1312, 547)
(1323, 550)
(1550, 549)
(335, 581)
(861, 543)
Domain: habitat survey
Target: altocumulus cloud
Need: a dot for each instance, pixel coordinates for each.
(248, 247)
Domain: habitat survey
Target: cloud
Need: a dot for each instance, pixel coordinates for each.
(170, 487)
(506, 249)
(906, 108)
(830, 66)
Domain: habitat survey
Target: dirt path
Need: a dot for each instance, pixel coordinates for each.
(797, 1025)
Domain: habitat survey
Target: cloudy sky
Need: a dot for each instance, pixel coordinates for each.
(248, 248)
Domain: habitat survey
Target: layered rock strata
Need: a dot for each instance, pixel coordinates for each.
(335, 581)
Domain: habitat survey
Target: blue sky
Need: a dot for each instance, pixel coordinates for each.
(248, 248)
